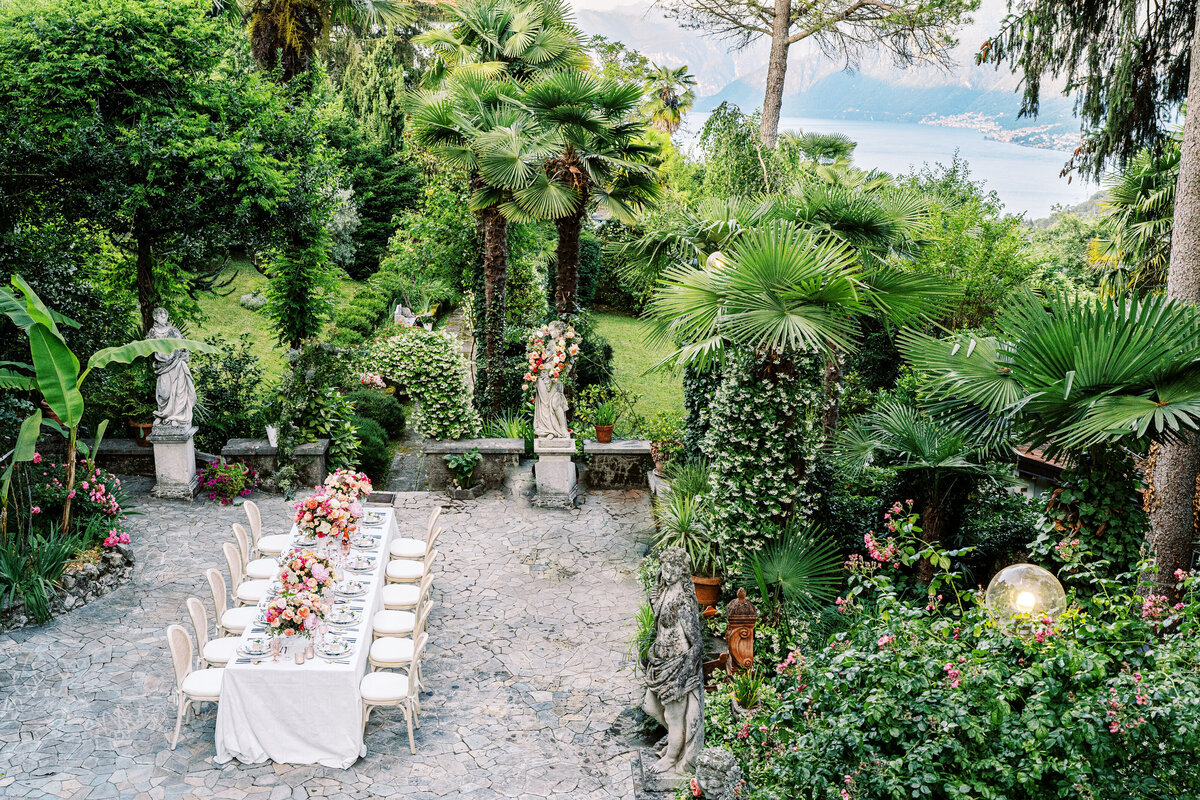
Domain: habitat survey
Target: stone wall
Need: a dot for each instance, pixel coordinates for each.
(81, 582)
(259, 455)
(623, 464)
(499, 455)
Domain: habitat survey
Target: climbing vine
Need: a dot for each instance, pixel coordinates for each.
(427, 366)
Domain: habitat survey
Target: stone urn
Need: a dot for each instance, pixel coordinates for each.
(740, 619)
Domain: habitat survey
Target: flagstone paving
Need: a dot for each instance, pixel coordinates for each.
(528, 674)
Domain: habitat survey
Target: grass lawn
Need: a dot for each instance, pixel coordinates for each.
(632, 356)
(226, 316)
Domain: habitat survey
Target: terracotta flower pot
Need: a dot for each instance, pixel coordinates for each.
(141, 430)
(604, 433)
(708, 590)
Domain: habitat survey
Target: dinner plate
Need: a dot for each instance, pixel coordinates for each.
(361, 565)
(351, 589)
(246, 650)
(340, 616)
(335, 648)
(372, 518)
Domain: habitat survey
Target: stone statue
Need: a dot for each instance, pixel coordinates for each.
(174, 391)
(675, 672)
(550, 404)
(718, 776)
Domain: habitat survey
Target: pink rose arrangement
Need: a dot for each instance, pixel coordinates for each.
(327, 514)
(354, 485)
(305, 571)
(295, 614)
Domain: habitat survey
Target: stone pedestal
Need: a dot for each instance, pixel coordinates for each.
(174, 462)
(554, 473)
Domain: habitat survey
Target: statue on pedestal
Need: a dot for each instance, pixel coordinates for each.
(174, 390)
(675, 672)
(550, 403)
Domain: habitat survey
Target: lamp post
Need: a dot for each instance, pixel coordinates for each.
(1025, 591)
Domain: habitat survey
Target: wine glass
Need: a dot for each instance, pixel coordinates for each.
(276, 647)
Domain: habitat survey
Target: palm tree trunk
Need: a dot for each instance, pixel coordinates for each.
(776, 72)
(566, 280)
(932, 519)
(1171, 516)
(495, 276)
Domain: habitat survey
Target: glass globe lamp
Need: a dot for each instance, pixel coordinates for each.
(1025, 589)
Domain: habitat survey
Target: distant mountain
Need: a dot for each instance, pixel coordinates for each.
(966, 95)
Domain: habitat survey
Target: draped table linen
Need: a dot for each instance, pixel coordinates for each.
(309, 713)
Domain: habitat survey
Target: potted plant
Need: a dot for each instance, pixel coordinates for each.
(680, 523)
(604, 419)
(462, 473)
(745, 692)
(665, 434)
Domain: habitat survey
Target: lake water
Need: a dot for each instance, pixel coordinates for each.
(1025, 178)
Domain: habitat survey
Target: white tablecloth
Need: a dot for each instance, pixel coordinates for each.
(308, 714)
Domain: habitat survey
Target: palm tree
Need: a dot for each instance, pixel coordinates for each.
(1074, 376)
(599, 162)
(671, 96)
(1140, 208)
(827, 149)
(285, 34)
(944, 464)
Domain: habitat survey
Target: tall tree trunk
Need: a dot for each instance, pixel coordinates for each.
(776, 72)
(147, 297)
(1171, 515)
(495, 276)
(932, 518)
(566, 280)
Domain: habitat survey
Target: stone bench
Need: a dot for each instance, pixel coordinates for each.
(622, 464)
(260, 455)
(498, 456)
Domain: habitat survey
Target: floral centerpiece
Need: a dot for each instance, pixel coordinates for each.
(354, 485)
(327, 514)
(553, 353)
(305, 571)
(296, 614)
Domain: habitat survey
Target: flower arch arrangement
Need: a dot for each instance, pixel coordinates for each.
(431, 370)
(566, 351)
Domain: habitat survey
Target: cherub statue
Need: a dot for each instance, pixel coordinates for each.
(675, 670)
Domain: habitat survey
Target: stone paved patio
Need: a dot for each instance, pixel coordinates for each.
(527, 667)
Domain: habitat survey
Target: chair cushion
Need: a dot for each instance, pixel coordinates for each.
(273, 545)
(401, 595)
(252, 591)
(262, 569)
(407, 548)
(405, 570)
(203, 684)
(392, 650)
(221, 651)
(392, 623)
(383, 687)
(236, 620)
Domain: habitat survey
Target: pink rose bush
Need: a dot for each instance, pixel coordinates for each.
(99, 504)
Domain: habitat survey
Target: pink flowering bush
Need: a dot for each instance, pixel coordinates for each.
(99, 504)
(929, 697)
(225, 482)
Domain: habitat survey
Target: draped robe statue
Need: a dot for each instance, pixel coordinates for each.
(550, 403)
(174, 390)
(675, 672)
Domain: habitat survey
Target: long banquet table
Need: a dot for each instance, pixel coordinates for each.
(303, 714)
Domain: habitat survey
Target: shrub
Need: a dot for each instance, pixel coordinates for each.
(98, 509)
(384, 409)
(29, 570)
(229, 393)
(935, 699)
(665, 434)
(255, 301)
(225, 482)
(373, 456)
(764, 438)
(462, 467)
(430, 365)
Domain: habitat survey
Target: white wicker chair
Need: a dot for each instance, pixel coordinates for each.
(393, 689)
(230, 621)
(245, 593)
(192, 686)
(213, 652)
(258, 568)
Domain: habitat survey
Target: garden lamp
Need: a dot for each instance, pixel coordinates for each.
(1025, 589)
